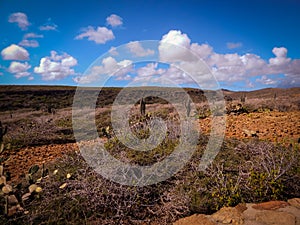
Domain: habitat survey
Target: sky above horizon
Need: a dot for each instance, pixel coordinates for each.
(246, 45)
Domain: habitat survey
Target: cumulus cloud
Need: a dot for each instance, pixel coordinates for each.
(281, 57)
(108, 67)
(174, 47)
(228, 68)
(56, 67)
(233, 45)
(149, 70)
(114, 20)
(100, 35)
(19, 69)
(137, 49)
(19, 18)
(14, 52)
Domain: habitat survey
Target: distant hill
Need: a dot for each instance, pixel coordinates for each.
(14, 97)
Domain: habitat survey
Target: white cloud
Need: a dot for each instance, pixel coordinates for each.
(149, 70)
(114, 20)
(113, 51)
(174, 75)
(202, 51)
(174, 47)
(20, 19)
(14, 52)
(228, 68)
(233, 45)
(100, 36)
(280, 59)
(29, 43)
(19, 69)
(48, 27)
(32, 35)
(108, 67)
(56, 67)
(265, 80)
(137, 49)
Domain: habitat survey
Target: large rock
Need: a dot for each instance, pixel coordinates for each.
(196, 219)
(275, 218)
(271, 205)
(228, 215)
(267, 213)
(294, 202)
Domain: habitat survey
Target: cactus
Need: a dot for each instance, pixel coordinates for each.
(32, 171)
(3, 131)
(243, 98)
(188, 107)
(142, 107)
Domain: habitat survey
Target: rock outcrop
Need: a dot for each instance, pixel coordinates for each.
(267, 213)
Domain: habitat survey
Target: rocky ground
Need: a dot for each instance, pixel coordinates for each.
(280, 127)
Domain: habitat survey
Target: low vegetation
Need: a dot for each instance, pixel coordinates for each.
(68, 191)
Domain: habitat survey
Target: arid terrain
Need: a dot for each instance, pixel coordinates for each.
(39, 132)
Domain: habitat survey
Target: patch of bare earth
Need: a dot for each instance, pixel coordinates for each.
(280, 127)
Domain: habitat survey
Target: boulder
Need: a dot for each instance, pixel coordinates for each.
(196, 219)
(269, 217)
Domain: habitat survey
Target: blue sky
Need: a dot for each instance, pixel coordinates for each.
(246, 44)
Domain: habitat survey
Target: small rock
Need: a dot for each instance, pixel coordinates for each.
(2, 180)
(1, 170)
(26, 196)
(38, 189)
(7, 189)
(13, 210)
(63, 186)
(12, 200)
(32, 188)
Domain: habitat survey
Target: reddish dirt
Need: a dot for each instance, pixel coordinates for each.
(20, 161)
(281, 127)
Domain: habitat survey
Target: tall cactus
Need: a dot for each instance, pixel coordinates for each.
(3, 131)
(188, 107)
(243, 98)
(142, 107)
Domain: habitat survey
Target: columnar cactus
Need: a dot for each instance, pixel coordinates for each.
(243, 98)
(142, 107)
(188, 107)
(3, 131)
